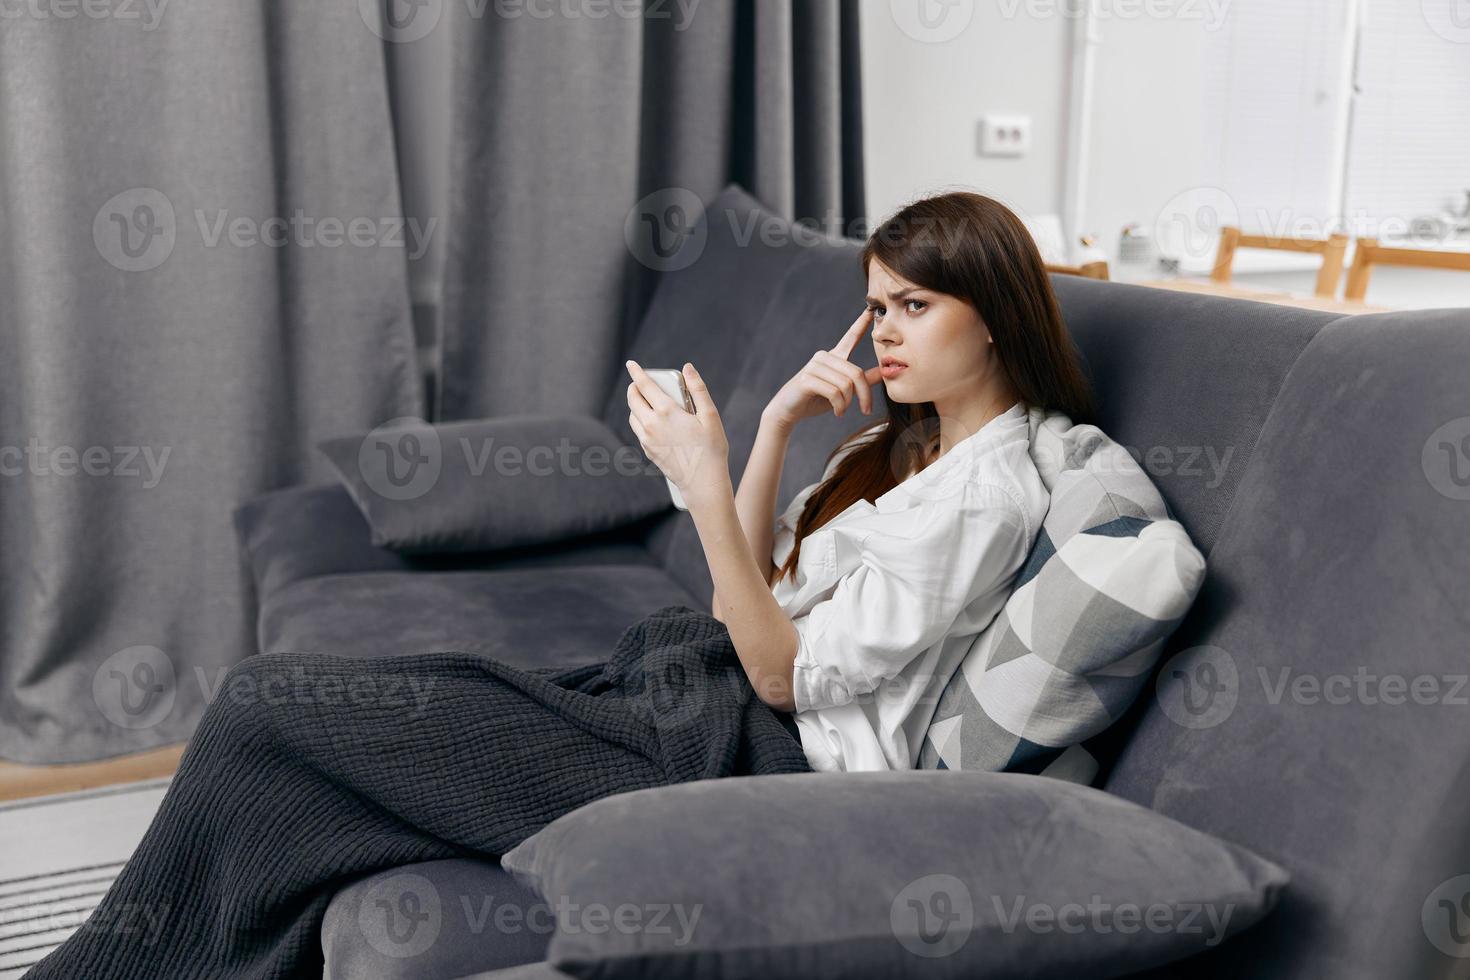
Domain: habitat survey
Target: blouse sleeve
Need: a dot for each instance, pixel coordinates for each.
(915, 576)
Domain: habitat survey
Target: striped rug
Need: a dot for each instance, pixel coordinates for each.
(58, 856)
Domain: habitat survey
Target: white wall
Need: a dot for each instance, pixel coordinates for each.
(1155, 136)
(923, 99)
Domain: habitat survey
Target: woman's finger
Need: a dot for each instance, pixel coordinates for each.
(822, 388)
(656, 398)
(848, 343)
(838, 379)
(636, 401)
(858, 376)
(703, 403)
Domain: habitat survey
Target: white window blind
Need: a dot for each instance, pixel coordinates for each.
(1273, 99)
(1409, 153)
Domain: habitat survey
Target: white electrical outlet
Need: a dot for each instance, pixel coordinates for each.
(1005, 136)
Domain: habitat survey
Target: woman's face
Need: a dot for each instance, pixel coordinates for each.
(940, 337)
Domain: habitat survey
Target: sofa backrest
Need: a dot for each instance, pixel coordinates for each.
(1183, 381)
(1317, 708)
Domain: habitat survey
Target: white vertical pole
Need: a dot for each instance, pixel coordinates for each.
(1079, 126)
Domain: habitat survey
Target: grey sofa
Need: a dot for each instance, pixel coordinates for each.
(1322, 463)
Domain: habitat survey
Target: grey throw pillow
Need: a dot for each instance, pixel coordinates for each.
(885, 875)
(504, 482)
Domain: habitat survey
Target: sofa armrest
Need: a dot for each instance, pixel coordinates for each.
(304, 532)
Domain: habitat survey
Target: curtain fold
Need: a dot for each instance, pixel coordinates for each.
(203, 274)
(566, 127)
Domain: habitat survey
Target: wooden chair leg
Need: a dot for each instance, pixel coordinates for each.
(1225, 254)
(1357, 280)
(1332, 258)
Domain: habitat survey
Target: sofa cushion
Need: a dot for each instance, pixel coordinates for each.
(290, 535)
(1316, 711)
(487, 484)
(433, 920)
(883, 875)
(526, 616)
(1109, 578)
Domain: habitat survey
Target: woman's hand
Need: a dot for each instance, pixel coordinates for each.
(689, 448)
(829, 380)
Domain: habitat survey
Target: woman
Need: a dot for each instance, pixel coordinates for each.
(868, 590)
(922, 520)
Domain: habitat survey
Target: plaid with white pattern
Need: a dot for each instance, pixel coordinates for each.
(1109, 578)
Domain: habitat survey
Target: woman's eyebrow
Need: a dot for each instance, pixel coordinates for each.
(898, 295)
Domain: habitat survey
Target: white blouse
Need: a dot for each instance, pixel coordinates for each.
(889, 596)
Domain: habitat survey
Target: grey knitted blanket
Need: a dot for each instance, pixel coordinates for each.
(309, 770)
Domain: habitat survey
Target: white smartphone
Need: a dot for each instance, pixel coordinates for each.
(671, 380)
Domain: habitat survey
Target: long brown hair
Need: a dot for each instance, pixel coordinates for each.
(972, 247)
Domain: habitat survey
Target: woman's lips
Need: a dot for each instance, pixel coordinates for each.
(892, 370)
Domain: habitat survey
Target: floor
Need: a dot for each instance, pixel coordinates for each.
(20, 781)
(59, 853)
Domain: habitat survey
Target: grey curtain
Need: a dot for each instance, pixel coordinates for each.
(202, 274)
(566, 127)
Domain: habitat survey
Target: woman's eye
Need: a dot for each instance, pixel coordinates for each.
(920, 302)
